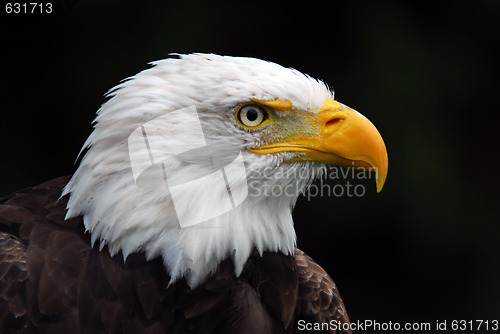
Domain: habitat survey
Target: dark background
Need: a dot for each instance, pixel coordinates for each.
(426, 73)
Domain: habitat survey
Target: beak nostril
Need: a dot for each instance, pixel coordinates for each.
(333, 121)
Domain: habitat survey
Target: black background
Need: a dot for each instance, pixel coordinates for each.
(426, 73)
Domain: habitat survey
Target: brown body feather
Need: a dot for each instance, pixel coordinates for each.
(53, 281)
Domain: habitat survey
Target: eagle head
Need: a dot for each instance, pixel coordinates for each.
(202, 157)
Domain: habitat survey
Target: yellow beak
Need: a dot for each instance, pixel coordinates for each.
(346, 138)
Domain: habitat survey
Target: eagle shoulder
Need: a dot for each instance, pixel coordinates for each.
(37, 245)
(319, 300)
(13, 275)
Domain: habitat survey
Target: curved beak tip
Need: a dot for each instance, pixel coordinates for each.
(380, 178)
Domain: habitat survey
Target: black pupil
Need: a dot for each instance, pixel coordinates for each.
(252, 115)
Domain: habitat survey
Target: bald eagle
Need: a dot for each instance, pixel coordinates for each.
(167, 225)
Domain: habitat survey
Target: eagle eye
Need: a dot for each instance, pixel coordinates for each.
(251, 115)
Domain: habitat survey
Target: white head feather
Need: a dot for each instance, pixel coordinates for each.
(129, 218)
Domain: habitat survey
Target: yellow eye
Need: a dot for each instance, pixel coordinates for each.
(251, 115)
